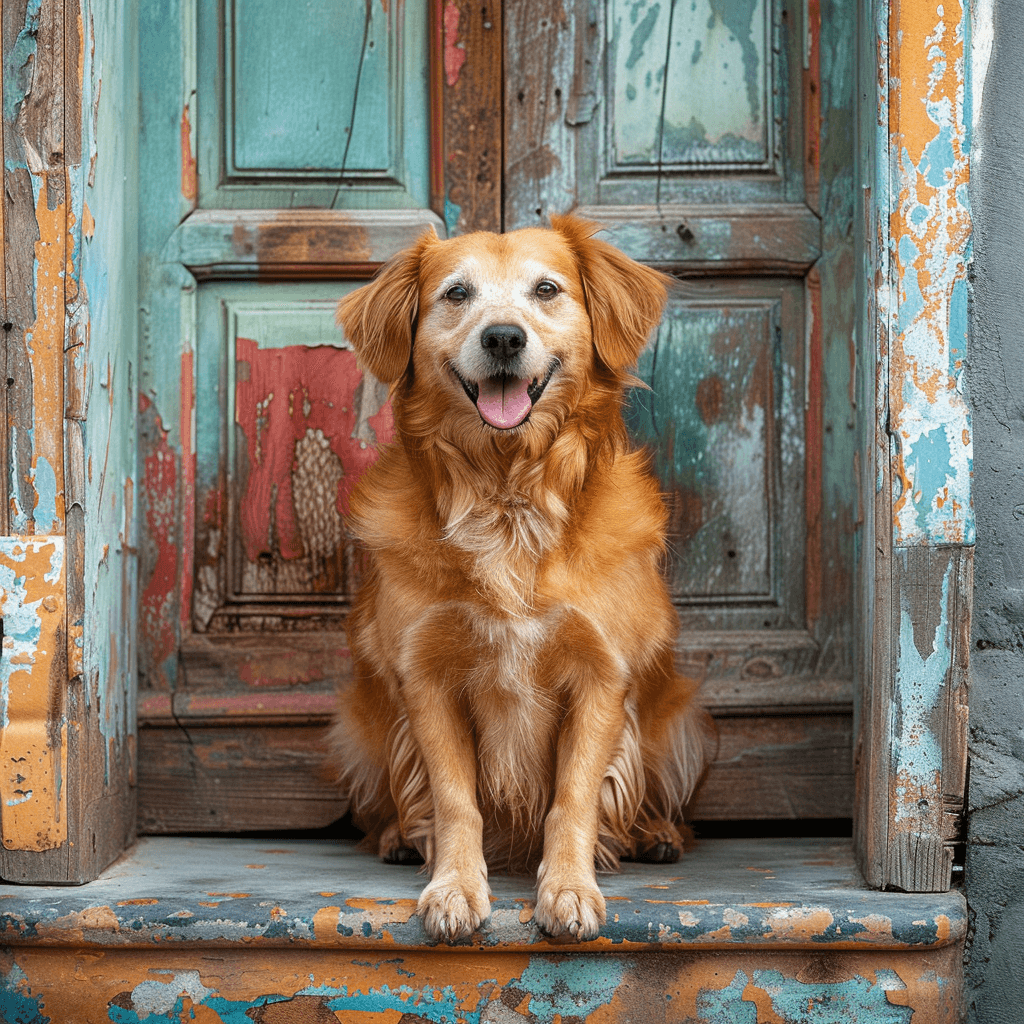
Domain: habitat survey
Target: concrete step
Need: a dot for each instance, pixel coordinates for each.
(281, 932)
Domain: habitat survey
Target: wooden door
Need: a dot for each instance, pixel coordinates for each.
(286, 164)
(714, 139)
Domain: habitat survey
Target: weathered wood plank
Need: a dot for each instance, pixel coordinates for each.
(78, 374)
(231, 779)
(35, 221)
(284, 244)
(206, 775)
(469, 137)
(34, 751)
(541, 39)
(931, 632)
(754, 239)
(279, 931)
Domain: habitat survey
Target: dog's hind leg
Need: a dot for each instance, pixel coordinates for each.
(656, 840)
(394, 848)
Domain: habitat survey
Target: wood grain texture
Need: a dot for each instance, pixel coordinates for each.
(471, 131)
(762, 238)
(539, 145)
(197, 776)
(34, 747)
(35, 222)
(231, 779)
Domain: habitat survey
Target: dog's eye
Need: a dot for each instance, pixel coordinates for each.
(457, 293)
(547, 290)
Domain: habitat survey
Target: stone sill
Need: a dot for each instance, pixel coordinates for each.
(725, 895)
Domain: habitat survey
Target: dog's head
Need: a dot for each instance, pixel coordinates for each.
(502, 334)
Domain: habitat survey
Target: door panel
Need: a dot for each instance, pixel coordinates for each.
(723, 417)
(691, 131)
(295, 425)
(313, 139)
(589, 121)
(324, 109)
(714, 75)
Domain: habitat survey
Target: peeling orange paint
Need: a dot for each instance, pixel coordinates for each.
(801, 924)
(189, 178)
(46, 354)
(929, 229)
(33, 742)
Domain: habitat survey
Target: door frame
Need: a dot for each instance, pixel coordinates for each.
(917, 530)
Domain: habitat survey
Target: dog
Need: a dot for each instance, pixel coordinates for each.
(513, 697)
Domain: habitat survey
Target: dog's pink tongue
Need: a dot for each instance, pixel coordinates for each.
(503, 401)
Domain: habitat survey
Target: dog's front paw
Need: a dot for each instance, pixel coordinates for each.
(577, 908)
(452, 908)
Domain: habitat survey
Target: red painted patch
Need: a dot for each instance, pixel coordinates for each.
(454, 55)
(160, 479)
(284, 396)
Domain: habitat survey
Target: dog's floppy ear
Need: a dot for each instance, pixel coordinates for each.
(379, 318)
(624, 298)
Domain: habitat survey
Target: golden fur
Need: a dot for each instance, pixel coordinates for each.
(514, 698)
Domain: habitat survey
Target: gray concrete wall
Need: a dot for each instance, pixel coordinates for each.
(995, 850)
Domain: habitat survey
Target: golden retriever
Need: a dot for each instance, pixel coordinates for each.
(514, 697)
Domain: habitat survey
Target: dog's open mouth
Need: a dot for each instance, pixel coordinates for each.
(505, 402)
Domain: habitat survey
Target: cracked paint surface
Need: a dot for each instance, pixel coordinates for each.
(928, 141)
(508, 988)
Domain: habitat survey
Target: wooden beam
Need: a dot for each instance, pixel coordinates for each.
(912, 743)
(469, 36)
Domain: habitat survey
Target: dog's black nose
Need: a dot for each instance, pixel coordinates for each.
(503, 341)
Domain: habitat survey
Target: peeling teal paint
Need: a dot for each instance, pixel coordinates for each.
(925, 209)
(714, 92)
(18, 1004)
(451, 215)
(857, 1001)
(571, 987)
(45, 482)
(105, 268)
